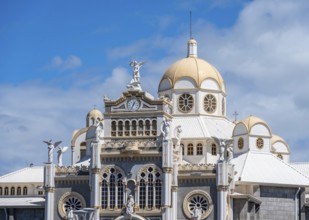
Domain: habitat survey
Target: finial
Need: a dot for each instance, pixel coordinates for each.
(190, 24)
(235, 115)
(135, 83)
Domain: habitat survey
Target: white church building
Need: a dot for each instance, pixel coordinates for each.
(175, 157)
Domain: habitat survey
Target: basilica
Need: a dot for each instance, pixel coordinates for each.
(175, 156)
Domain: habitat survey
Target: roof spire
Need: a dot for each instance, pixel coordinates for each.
(192, 44)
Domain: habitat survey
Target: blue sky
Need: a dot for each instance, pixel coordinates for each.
(59, 58)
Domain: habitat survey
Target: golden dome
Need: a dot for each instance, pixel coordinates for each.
(276, 138)
(250, 121)
(95, 113)
(191, 67)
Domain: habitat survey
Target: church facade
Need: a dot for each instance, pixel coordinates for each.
(175, 157)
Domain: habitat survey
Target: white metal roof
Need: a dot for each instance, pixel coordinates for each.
(266, 169)
(302, 167)
(22, 202)
(204, 127)
(34, 174)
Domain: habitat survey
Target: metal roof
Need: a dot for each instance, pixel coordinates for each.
(34, 174)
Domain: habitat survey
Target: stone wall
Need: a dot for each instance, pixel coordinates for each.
(186, 186)
(277, 203)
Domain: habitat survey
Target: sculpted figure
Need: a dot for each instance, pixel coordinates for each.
(51, 147)
(165, 128)
(98, 130)
(196, 214)
(130, 205)
(70, 214)
(135, 81)
(178, 131)
(60, 152)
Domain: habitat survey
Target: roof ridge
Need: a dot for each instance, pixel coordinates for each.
(243, 167)
(18, 171)
(288, 164)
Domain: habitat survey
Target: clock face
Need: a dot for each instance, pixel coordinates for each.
(133, 105)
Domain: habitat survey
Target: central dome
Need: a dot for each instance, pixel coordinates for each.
(193, 68)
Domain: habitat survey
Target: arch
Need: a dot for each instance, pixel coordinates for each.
(210, 84)
(6, 191)
(199, 149)
(185, 83)
(25, 190)
(190, 150)
(1, 191)
(12, 191)
(19, 190)
(165, 84)
(213, 149)
(134, 127)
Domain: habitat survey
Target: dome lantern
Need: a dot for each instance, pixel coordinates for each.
(192, 48)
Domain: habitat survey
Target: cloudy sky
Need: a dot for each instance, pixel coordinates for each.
(59, 58)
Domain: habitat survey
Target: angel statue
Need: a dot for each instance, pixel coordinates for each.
(223, 144)
(135, 81)
(51, 147)
(60, 152)
(165, 128)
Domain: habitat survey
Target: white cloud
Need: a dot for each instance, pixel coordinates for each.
(70, 63)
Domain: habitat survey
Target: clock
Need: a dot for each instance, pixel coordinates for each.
(133, 105)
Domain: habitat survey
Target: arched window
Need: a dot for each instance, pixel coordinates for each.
(6, 191)
(18, 190)
(127, 128)
(183, 149)
(140, 127)
(0, 191)
(150, 188)
(199, 149)
(134, 128)
(147, 128)
(114, 128)
(154, 127)
(190, 149)
(213, 149)
(12, 191)
(120, 128)
(112, 192)
(25, 191)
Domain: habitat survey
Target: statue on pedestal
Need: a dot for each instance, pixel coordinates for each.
(60, 152)
(135, 81)
(51, 147)
(130, 205)
(165, 128)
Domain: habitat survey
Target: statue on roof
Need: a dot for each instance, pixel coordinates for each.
(135, 83)
(60, 152)
(99, 129)
(51, 147)
(224, 145)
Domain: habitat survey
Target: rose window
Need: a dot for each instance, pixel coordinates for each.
(72, 203)
(198, 202)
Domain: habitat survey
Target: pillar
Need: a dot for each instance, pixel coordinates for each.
(95, 177)
(222, 189)
(49, 186)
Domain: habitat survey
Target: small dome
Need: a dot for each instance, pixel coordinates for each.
(251, 121)
(275, 138)
(92, 116)
(191, 67)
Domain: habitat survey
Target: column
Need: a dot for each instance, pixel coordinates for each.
(95, 177)
(222, 189)
(49, 186)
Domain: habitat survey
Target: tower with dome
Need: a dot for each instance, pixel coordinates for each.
(176, 157)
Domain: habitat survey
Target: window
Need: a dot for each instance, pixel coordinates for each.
(13, 191)
(182, 149)
(40, 193)
(18, 190)
(134, 128)
(199, 149)
(112, 192)
(213, 149)
(6, 191)
(240, 143)
(127, 128)
(185, 103)
(150, 188)
(190, 149)
(259, 143)
(280, 156)
(210, 103)
(0, 191)
(25, 191)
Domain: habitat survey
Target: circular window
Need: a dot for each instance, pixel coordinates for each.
(280, 156)
(240, 143)
(210, 103)
(70, 200)
(185, 103)
(197, 201)
(259, 143)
